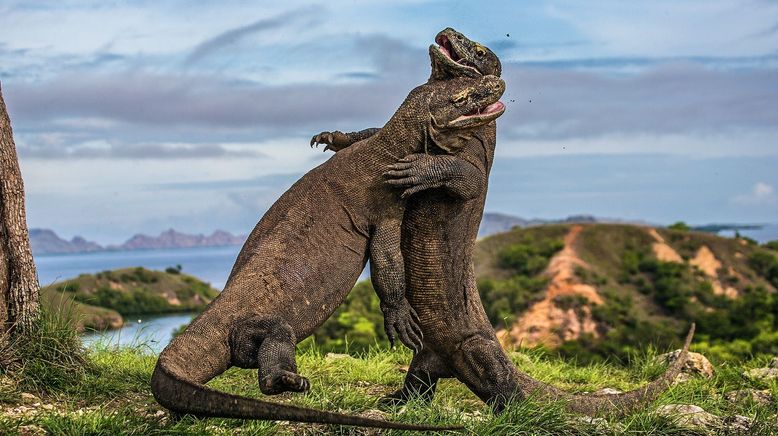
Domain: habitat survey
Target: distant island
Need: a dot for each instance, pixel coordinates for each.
(45, 241)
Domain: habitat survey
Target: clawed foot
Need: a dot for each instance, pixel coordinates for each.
(284, 381)
(334, 141)
(402, 322)
(414, 173)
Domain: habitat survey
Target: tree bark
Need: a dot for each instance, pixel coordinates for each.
(19, 290)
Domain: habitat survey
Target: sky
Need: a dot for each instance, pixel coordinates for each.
(138, 116)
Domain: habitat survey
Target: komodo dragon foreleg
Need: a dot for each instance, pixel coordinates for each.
(338, 140)
(417, 172)
(387, 272)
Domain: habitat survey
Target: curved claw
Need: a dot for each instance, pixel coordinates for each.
(412, 190)
(400, 165)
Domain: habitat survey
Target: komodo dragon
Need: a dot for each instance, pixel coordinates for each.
(305, 255)
(438, 234)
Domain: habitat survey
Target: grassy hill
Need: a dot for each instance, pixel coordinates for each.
(604, 291)
(96, 300)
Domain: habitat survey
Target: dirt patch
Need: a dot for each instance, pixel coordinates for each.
(116, 286)
(706, 261)
(662, 250)
(545, 322)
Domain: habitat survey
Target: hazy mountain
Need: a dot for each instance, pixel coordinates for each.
(45, 241)
(174, 239)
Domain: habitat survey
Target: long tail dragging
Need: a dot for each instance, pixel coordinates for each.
(619, 404)
(182, 396)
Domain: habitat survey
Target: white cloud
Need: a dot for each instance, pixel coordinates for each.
(761, 194)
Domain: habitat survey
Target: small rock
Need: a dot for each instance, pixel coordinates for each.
(696, 364)
(159, 414)
(594, 422)
(48, 406)
(737, 424)
(762, 398)
(475, 416)
(28, 397)
(689, 416)
(337, 356)
(607, 391)
(762, 373)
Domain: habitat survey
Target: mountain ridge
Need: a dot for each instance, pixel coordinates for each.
(46, 241)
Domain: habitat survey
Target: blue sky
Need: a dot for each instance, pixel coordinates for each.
(138, 116)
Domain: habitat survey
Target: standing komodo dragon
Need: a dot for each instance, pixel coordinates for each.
(305, 255)
(438, 234)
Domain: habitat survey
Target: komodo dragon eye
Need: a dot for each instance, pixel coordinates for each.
(460, 98)
(480, 52)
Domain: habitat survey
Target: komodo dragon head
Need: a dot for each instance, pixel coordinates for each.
(454, 55)
(459, 106)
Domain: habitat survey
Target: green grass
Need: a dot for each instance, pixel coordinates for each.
(111, 396)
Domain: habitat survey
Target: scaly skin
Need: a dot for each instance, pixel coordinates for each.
(439, 231)
(305, 255)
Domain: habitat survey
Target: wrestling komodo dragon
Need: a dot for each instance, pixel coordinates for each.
(439, 231)
(305, 255)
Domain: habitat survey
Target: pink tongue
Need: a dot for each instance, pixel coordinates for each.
(494, 107)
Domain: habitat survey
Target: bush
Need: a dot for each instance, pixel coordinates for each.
(356, 325)
(129, 303)
(505, 300)
(528, 258)
(680, 226)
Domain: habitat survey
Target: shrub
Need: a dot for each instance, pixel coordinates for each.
(528, 258)
(680, 226)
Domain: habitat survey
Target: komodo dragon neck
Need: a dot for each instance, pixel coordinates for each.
(406, 132)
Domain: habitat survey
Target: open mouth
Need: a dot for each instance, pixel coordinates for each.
(445, 46)
(487, 111)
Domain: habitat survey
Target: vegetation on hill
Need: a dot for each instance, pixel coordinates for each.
(95, 299)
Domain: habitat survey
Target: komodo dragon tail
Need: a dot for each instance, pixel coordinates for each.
(619, 404)
(182, 396)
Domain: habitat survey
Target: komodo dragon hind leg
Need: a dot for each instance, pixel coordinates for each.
(421, 381)
(268, 344)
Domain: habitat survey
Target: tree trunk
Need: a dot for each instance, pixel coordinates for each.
(19, 289)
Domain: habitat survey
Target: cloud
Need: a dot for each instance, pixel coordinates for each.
(761, 194)
(670, 98)
(104, 150)
(233, 36)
